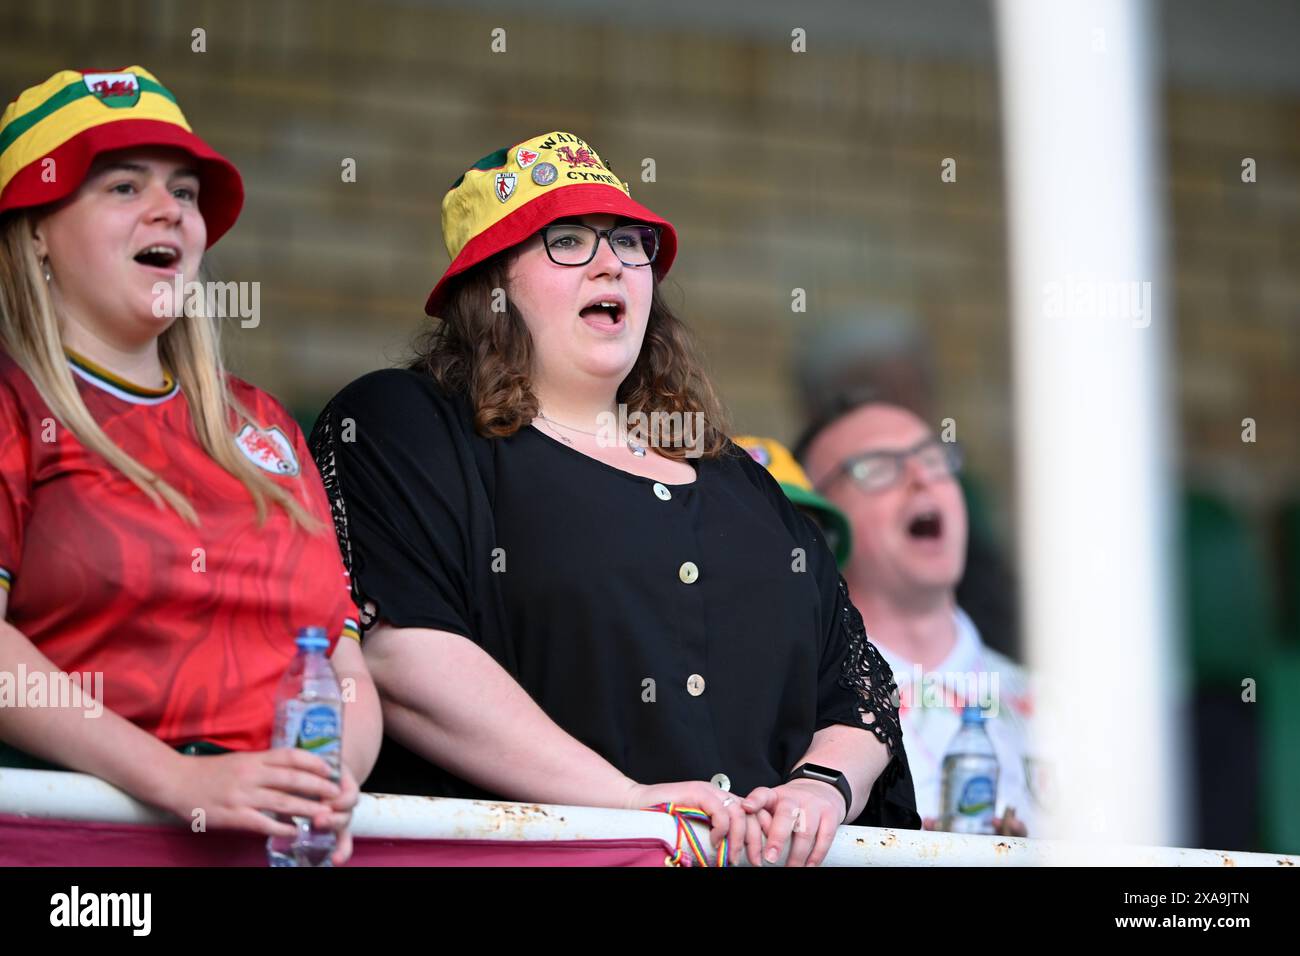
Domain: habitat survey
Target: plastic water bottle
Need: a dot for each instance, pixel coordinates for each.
(308, 715)
(970, 777)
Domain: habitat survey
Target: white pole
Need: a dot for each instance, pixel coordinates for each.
(1093, 425)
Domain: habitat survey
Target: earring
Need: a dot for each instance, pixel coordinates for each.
(45, 265)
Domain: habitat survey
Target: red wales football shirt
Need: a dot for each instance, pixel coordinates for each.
(191, 626)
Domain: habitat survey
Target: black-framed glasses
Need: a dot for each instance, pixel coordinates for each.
(877, 470)
(573, 244)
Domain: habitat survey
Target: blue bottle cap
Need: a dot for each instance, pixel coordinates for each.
(312, 639)
(972, 714)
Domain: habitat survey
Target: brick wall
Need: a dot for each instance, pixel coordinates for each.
(819, 171)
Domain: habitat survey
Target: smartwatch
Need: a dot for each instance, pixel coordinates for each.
(812, 771)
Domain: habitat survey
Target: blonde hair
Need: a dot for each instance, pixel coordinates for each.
(189, 349)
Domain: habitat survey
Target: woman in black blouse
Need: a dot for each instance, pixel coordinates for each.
(560, 611)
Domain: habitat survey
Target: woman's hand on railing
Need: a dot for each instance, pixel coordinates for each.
(235, 791)
(1008, 825)
(726, 815)
(805, 812)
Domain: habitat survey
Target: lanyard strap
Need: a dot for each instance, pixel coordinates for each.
(682, 814)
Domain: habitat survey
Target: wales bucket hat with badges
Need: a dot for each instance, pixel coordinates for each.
(51, 134)
(509, 195)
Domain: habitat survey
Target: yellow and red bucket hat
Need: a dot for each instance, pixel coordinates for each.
(783, 466)
(51, 133)
(508, 195)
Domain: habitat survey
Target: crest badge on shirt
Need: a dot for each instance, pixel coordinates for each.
(269, 449)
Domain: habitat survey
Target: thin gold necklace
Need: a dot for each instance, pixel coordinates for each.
(633, 447)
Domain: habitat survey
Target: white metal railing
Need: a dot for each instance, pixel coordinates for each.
(74, 796)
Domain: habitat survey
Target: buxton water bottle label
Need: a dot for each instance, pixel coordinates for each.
(976, 797)
(318, 729)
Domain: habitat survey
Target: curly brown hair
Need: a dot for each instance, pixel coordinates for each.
(486, 353)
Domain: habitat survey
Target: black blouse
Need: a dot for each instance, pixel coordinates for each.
(682, 631)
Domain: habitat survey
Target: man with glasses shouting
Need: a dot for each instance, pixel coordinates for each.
(897, 483)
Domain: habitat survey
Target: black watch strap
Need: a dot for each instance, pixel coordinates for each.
(812, 771)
